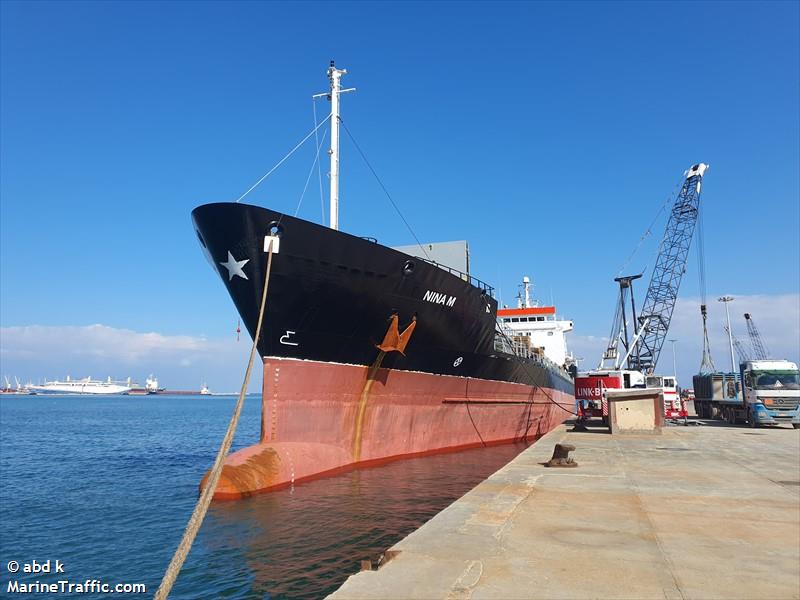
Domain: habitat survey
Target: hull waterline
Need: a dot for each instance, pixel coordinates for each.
(324, 418)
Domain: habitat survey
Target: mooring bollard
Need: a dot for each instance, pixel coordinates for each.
(561, 457)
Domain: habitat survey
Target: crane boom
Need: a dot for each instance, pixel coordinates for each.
(759, 348)
(741, 351)
(662, 292)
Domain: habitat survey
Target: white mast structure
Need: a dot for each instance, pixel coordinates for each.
(524, 299)
(335, 76)
(727, 299)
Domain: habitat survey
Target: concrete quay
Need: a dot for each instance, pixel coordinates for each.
(694, 512)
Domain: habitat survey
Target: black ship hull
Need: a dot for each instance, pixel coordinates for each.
(331, 296)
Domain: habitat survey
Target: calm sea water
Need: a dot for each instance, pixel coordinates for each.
(106, 485)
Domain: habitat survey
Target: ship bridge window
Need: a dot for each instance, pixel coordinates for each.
(515, 319)
(540, 318)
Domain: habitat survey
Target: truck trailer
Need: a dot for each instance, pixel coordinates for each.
(763, 392)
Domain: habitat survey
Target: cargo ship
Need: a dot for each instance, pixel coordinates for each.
(372, 353)
(150, 387)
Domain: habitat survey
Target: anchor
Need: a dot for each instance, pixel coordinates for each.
(394, 341)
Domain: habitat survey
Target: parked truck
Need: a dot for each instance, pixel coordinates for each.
(763, 392)
(591, 388)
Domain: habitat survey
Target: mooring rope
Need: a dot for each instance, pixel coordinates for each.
(200, 509)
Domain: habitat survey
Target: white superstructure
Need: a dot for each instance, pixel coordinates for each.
(83, 386)
(536, 328)
(151, 385)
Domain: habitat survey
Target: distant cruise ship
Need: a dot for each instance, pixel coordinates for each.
(84, 386)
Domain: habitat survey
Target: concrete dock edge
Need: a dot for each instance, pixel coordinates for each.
(698, 512)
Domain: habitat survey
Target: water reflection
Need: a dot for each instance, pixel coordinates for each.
(304, 542)
(106, 485)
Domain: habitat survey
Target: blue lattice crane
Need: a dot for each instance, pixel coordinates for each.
(656, 313)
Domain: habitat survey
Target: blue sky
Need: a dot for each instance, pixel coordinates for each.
(546, 134)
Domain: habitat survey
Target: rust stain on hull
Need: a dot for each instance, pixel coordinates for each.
(257, 472)
(362, 406)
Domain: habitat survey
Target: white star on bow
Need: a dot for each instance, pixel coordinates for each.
(235, 266)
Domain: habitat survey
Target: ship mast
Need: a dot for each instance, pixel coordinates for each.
(335, 76)
(524, 295)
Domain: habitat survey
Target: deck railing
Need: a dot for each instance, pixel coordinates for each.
(464, 276)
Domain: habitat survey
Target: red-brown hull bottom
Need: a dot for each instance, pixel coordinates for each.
(324, 418)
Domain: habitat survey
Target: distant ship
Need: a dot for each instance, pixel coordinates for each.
(150, 387)
(20, 390)
(371, 353)
(83, 386)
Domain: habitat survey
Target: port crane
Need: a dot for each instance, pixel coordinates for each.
(670, 266)
(759, 348)
(652, 323)
(619, 325)
(634, 367)
(741, 351)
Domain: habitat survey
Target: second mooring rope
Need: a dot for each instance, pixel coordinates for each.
(200, 509)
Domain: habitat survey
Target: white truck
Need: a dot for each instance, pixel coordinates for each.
(763, 392)
(771, 391)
